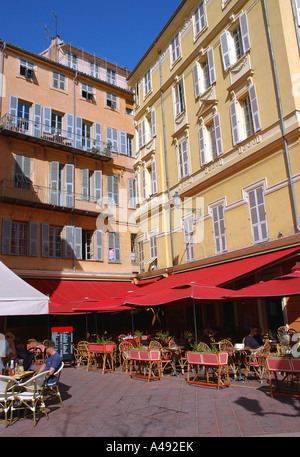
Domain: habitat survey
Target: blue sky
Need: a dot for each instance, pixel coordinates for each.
(120, 31)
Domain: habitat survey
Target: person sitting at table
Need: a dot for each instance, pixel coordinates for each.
(209, 332)
(52, 363)
(10, 350)
(253, 341)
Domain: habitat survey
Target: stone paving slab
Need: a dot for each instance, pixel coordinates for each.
(115, 405)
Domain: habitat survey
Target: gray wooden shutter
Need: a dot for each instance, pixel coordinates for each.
(85, 180)
(6, 236)
(69, 241)
(245, 32)
(234, 123)
(54, 192)
(33, 238)
(13, 109)
(113, 188)
(144, 183)
(153, 123)
(37, 120)
(45, 240)
(47, 113)
(211, 65)
(78, 243)
(131, 194)
(254, 108)
(117, 247)
(98, 136)
(69, 126)
(98, 184)
(99, 245)
(196, 80)
(225, 48)
(78, 133)
(123, 142)
(69, 185)
(202, 146)
(218, 134)
(154, 178)
(258, 215)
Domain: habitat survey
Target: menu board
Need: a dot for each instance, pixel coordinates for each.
(63, 339)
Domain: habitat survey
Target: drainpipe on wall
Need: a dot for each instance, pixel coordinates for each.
(74, 125)
(290, 177)
(296, 24)
(166, 160)
(1, 75)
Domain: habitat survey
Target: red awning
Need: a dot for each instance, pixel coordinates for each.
(67, 295)
(221, 274)
(283, 286)
(183, 294)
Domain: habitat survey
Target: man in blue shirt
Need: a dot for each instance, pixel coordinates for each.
(253, 340)
(52, 363)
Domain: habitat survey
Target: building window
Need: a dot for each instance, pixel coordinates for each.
(210, 141)
(71, 60)
(183, 159)
(87, 245)
(94, 69)
(219, 228)
(204, 74)
(18, 238)
(56, 123)
(58, 80)
(147, 83)
(179, 103)
(175, 49)
(235, 43)
(26, 69)
(111, 76)
(22, 171)
(55, 242)
(258, 215)
(86, 135)
(114, 254)
(111, 139)
(141, 256)
(111, 100)
(245, 116)
(133, 243)
(189, 239)
(23, 113)
(199, 18)
(130, 145)
(153, 248)
(142, 133)
(87, 92)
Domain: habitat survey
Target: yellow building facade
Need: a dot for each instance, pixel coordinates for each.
(67, 179)
(217, 125)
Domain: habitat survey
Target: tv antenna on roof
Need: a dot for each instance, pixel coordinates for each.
(56, 19)
(47, 33)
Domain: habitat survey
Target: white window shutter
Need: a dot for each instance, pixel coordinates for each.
(234, 123)
(113, 188)
(98, 136)
(37, 120)
(69, 241)
(13, 109)
(47, 119)
(54, 196)
(78, 133)
(112, 137)
(225, 48)
(144, 183)
(202, 146)
(254, 108)
(45, 240)
(196, 80)
(258, 215)
(218, 134)
(154, 177)
(99, 245)
(69, 185)
(6, 236)
(131, 194)
(123, 142)
(85, 180)
(117, 247)
(245, 32)
(98, 184)
(153, 123)
(33, 238)
(69, 126)
(78, 243)
(211, 65)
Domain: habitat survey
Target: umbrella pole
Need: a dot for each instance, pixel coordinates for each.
(195, 322)
(132, 323)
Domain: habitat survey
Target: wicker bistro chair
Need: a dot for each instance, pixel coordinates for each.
(51, 385)
(83, 353)
(155, 345)
(124, 349)
(166, 359)
(226, 345)
(6, 397)
(30, 396)
(256, 362)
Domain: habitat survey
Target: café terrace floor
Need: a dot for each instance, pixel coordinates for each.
(115, 405)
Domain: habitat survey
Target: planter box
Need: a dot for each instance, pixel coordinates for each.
(99, 347)
(207, 358)
(289, 368)
(215, 365)
(147, 361)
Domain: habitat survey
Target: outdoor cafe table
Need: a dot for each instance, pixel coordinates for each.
(176, 351)
(146, 361)
(101, 352)
(289, 369)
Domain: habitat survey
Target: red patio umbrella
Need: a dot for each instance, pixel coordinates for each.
(283, 286)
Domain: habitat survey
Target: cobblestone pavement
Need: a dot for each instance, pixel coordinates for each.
(115, 405)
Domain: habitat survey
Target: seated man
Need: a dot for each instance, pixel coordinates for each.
(253, 340)
(52, 363)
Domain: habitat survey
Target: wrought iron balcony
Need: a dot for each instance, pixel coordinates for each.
(57, 138)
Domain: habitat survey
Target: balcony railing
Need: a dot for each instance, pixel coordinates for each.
(40, 196)
(58, 138)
